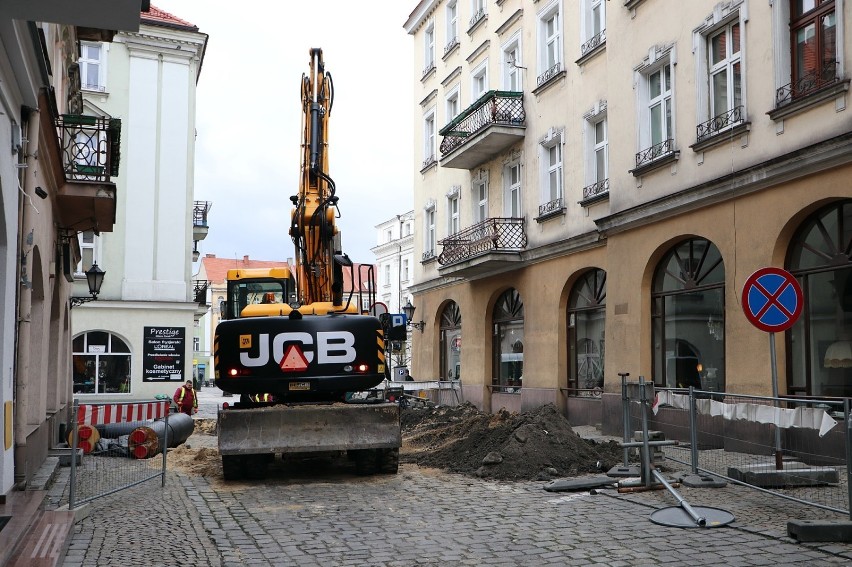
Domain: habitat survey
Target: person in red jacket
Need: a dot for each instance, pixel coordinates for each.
(186, 399)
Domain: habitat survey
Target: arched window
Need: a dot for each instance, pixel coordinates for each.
(586, 347)
(101, 364)
(451, 342)
(508, 343)
(688, 317)
(819, 346)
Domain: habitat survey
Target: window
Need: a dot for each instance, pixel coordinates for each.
(593, 24)
(586, 323)
(813, 39)
(554, 171)
(480, 197)
(453, 107)
(92, 66)
(688, 317)
(429, 138)
(101, 364)
(405, 274)
(386, 275)
(452, 18)
(429, 48)
(600, 150)
(512, 65)
(196, 344)
(721, 104)
(655, 92)
(550, 43)
(429, 233)
(508, 343)
(512, 198)
(453, 214)
(479, 81)
(477, 10)
(389, 235)
(660, 105)
(818, 344)
(451, 342)
(88, 251)
(723, 51)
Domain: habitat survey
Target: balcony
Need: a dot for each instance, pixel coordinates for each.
(484, 248)
(655, 157)
(595, 192)
(200, 209)
(811, 89)
(88, 148)
(199, 292)
(488, 127)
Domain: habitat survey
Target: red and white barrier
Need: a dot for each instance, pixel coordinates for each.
(121, 413)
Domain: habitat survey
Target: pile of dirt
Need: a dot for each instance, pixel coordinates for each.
(535, 445)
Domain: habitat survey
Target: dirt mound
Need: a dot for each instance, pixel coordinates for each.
(535, 445)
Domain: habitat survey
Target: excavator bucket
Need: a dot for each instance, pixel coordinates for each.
(309, 428)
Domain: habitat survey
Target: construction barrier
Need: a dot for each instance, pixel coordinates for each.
(116, 439)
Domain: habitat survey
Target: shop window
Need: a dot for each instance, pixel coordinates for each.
(508, 343)
(451, 342)
(819, 345)
(688, 317)
(101, 364)
(586, 346)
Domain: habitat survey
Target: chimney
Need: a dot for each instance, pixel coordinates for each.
(245, 259)
(210, 255)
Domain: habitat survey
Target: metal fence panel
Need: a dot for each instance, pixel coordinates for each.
(119, 442)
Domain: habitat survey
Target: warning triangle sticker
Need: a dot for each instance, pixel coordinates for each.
(294, 360)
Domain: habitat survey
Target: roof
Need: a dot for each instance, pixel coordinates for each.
(156, 16)
(217, 268)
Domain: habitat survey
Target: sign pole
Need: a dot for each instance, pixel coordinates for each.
(772, 301)
(779, 465)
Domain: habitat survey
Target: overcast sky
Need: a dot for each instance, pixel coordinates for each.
(249, 115)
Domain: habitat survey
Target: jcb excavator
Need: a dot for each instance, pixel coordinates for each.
(294, 346)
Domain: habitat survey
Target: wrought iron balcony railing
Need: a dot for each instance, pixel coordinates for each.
(551, 207)
(428, 162)
(427, 256)
(656, 151)
(594, 42)
(598, 189)
(476, 18)
(494, 107)
(90, 145)
(430, 66)
(720, 122)
(549, 74)
(199, 288)
(494, 234)
(806, 85)
(199, 213)
(452, 44)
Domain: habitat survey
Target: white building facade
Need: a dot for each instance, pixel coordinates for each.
(137, 339)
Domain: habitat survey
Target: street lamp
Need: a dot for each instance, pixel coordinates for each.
(94, 278)
(408, 309)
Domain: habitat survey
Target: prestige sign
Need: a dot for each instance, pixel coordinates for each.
(162, 354)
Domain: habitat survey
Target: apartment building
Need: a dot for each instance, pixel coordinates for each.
(48, 193)
(598, 181)
(136, 340)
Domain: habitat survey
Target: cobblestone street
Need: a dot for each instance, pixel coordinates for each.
(325, 516)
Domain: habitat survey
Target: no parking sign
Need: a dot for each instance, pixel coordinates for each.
(772, 299)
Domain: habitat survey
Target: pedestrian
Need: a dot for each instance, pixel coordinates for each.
(186, 399)
(408, 377)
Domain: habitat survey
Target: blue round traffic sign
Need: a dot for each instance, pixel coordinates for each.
(772, 299)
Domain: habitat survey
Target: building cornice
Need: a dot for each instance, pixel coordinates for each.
(788, 167)
(420, 14)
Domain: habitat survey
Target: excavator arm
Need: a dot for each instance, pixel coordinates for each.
(312, 227)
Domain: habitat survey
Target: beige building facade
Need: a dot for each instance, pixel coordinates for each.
(598, 180)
